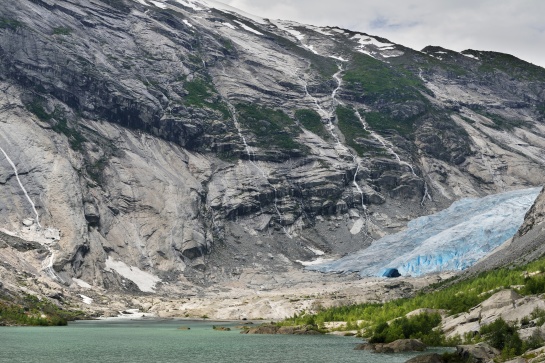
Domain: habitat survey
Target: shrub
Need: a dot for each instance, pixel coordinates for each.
(420, 326)
(312, 121)
(62, 31)
(352, 128)
(271, 127)
(503, 336)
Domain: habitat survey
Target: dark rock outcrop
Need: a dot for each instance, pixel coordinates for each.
(427, 358)
(397, 346)
(478, 353)
(286, 330)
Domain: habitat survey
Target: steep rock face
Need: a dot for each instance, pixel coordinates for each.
(192, 142)
(535, 217)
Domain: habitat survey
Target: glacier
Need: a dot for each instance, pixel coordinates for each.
(452, 239)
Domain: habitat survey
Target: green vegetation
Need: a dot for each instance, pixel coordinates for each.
(380, 122)
(33, 311)
(37, 108)
(451, 296)
(351, 127)
(75, 138)
(203, 94)
(62, 31)
(501, 123)
(312, 121)
(271, 127)
(522, 70)
(382, 82)
(541, 109)
(96, 170)
(12, 24)
(421, 326)
(504, 337)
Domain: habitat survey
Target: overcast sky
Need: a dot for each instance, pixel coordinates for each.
(510, 26)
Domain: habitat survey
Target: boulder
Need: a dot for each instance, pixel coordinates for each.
(287, 330)
(501, 299)
(427, 358)
(477, 353)
(398, 346)
(407, 345)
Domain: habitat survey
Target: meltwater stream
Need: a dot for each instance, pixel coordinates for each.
(161, 341)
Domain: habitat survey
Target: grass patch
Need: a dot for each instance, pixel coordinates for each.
(62, 31)
(381, 82)
(312, 121)
(203, 95)
(12, 24)
(491, 61)
(351, 127)
(38, 109)
(96, 170)
(32, 311)
(75, 138)
(381, 122)
(271, 127)
(501, 123)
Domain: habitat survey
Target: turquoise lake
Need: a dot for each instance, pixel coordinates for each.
(148, 341)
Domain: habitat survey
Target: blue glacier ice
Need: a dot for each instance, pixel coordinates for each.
(452, 239)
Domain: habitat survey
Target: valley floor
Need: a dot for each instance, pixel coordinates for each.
(258, 295)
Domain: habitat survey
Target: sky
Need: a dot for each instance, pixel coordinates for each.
(516, 27)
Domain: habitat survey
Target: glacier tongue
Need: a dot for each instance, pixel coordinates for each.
(452, 239)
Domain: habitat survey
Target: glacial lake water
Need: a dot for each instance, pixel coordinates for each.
(145, 341)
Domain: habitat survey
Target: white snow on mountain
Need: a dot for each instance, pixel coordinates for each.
(452, 239)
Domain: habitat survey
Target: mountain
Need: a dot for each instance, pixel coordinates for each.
(154, 146)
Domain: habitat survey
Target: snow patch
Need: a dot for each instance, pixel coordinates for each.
(358, 225)
(129, 314)
(145, 281)
(338, 58)
(311, 48)
(229, 25)
(246, 27)
(366, 52)
(286, 28)
(223, 7)
(316, 251)
(452, 239)
(317, 261)
(82, 283)
(158, 4)
(471, 56)
(188, 23)
(86, 299)
(190, 4)
(368, 40)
